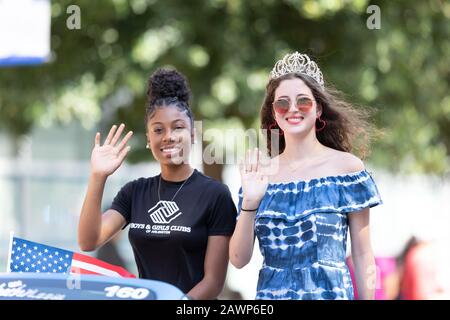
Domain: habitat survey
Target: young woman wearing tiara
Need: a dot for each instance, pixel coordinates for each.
(180, 220)
(315, 191)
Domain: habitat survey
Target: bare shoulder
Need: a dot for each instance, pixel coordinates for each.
(345, 162)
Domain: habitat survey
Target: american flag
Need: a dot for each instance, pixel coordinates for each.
(28, 256)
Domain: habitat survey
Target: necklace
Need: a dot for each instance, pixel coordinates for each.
(182, 185)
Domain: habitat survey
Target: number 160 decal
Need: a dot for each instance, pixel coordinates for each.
(126, 292)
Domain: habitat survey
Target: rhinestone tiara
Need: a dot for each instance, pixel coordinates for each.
(297, 63)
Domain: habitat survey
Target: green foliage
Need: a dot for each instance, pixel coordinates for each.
(227, 48)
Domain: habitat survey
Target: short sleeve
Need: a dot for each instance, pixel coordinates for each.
(222, 218)
(122, 201)
(360, 193)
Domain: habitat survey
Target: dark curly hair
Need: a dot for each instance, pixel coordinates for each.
(168, 87)
(347, 127)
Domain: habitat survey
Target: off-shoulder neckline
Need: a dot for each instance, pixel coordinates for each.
(301, 181)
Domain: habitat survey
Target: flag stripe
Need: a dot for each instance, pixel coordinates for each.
(94, 268)
(92, 260)
(101, 264)
(79, 269)
(74, 270)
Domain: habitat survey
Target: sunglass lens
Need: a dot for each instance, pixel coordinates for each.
(304, 104)
(281, 106)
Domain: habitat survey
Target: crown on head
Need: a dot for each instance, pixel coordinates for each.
(297, 63)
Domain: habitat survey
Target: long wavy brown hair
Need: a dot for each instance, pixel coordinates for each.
(347, 127)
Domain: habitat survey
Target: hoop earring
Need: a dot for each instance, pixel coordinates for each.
(323, 123)
(273, 125)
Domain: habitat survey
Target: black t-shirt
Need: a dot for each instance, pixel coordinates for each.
(169, 238)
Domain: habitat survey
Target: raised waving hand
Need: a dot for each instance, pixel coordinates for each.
(107, 158)
(254, 180)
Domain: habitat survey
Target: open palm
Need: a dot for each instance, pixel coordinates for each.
(107, 158)
(253, 180)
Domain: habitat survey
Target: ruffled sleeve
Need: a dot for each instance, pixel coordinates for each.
(358, 193)
(333, 194)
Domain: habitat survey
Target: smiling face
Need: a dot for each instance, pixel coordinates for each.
(170, 135)
(301, 110)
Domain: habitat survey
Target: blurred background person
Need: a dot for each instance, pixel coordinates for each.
(425, 271)
(387, 283)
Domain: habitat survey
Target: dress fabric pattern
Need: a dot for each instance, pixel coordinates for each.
(302, 232)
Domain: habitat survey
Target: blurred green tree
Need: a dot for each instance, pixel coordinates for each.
(98, 74)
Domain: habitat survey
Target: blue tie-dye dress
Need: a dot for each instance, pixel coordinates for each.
(302, 232)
